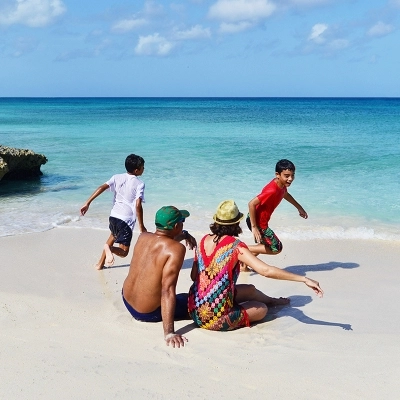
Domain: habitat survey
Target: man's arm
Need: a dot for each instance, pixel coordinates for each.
(252, 213)
(190, 240)
(139, 215)
(168, 295)
(95, 194)
(288, 197)
(195, 271)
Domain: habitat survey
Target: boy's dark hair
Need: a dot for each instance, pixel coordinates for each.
(221, 230)
(281, 165)
(133, 162)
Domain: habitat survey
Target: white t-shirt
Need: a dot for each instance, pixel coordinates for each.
(127, 189)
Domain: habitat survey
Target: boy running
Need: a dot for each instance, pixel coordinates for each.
(128, 192)
(264, 204)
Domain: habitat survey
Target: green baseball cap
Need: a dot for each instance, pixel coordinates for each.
(168, 216)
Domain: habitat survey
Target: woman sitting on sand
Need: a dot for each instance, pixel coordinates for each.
(215, 301)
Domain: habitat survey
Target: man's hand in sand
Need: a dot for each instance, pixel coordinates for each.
(314, 285)
(175, 340)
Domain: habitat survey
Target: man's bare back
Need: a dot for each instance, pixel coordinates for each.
(156, 262)
(149, 291)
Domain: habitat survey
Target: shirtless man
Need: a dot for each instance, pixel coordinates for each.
(149, 291)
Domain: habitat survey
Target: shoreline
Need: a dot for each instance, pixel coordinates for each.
(65, 325)
(286, 227)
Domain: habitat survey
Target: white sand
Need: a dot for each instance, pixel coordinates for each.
(65, 333)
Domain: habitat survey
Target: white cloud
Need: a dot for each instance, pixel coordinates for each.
(104, 44)
(339, 44)
(317, 32)
(234, 28)
(196, 32)
(380, 29)
(126, 25)
(33, 13)
(152, 8)
(241, 10)
(153, 45)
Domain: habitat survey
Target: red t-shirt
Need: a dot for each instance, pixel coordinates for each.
(270, 197)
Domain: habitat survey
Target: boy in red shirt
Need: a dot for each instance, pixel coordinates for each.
(264, 204)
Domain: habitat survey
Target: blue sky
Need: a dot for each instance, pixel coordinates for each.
(199, 48)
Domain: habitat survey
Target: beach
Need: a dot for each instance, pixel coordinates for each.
(65, 330)
(66, 333)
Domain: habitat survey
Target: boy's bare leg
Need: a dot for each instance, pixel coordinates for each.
(251, 293)
(101, 263)
(109, 261)
(121, 251)
(257, 249)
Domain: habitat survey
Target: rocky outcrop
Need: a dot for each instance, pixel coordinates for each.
(20, 163)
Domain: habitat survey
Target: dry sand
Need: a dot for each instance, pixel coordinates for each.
(65, 333)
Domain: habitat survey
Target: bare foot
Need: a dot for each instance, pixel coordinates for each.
(244, 267)
(99, 266)
(109, 256)
(282, 301)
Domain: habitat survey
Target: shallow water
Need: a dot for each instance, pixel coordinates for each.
(200, 151)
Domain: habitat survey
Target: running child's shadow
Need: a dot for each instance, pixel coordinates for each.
(329, 266)
(292, 311)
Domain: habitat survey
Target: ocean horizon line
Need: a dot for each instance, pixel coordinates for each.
(206, 97)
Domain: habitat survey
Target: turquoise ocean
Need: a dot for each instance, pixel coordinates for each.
(200, 151)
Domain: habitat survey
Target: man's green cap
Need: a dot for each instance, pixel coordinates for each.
(168, 216)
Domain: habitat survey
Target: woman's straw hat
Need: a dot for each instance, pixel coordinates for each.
(227, 213)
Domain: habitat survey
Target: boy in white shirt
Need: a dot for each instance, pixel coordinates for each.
(128, 192)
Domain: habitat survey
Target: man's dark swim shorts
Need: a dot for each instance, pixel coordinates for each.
(268, 238)
(121, 231)
(181, 310)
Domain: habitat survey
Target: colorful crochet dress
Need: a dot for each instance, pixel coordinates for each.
(212, 295)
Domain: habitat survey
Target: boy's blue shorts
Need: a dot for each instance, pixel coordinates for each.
(121, 231)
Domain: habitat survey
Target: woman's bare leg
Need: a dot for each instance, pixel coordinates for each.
(256, 311)
(251, 293)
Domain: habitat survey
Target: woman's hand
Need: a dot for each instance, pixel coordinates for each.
(314, 285)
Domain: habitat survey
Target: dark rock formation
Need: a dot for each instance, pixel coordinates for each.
(20, 163)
